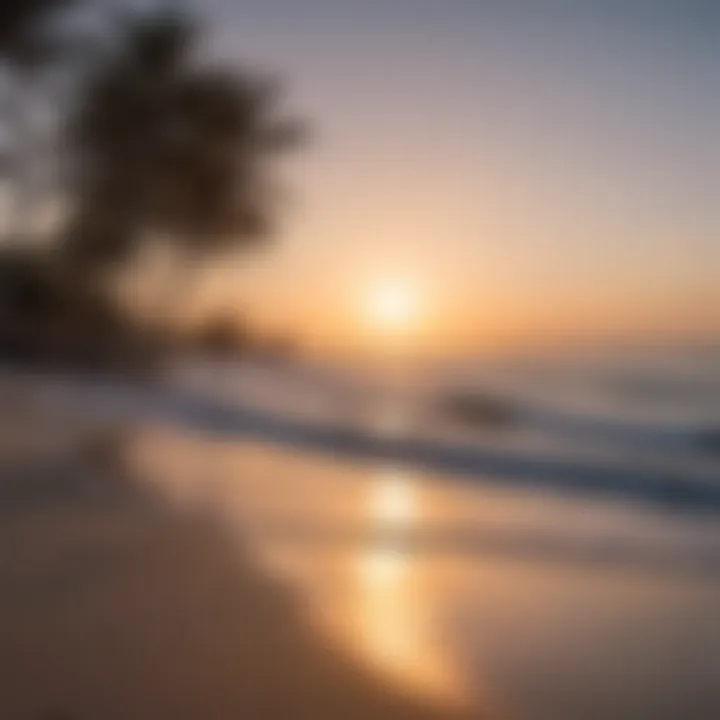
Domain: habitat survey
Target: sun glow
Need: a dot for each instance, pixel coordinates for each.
(391, 305)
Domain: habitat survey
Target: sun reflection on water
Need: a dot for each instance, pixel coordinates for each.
(393, 502)
(390, 615)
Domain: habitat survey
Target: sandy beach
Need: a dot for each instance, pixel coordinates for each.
(150, 571)
(114, 605)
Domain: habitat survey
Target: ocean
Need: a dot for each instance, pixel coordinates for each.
(535, 537)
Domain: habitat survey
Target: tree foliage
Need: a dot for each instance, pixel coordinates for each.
(152, 141)
(163, 144)
(24, 42)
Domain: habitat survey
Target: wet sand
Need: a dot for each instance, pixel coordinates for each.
(115, 606)
(530, 606)
(179, 575)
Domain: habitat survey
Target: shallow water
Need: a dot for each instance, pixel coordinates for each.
(637, 408)
(538, 606)
(534, 599)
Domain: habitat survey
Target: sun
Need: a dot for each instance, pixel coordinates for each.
(391, 305)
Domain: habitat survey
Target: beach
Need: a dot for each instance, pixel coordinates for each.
(359, 360)
(153, 571)
(115, 604)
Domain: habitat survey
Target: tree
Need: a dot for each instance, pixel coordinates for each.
(161, 144)
(223, 335)
(151, 142)
(24, 42)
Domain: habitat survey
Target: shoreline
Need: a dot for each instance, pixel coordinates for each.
(117, 606)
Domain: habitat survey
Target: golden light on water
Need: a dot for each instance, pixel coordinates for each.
(393, 501)
(388, 617)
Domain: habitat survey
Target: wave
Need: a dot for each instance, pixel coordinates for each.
(476, 461)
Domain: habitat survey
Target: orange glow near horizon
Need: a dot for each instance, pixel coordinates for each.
(401, 315)
(413, 305)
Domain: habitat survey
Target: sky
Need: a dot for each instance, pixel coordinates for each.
(531, 169)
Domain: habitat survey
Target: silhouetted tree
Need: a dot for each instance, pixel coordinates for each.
(224, 335)
(24, 42)
(163, 145)
(154, 143)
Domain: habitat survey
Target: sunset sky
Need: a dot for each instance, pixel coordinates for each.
(531, 169)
